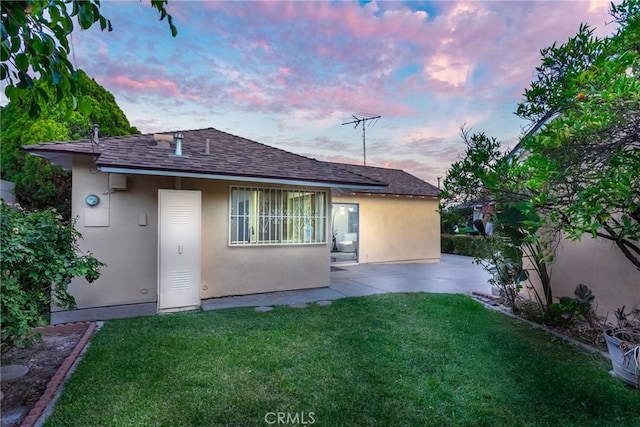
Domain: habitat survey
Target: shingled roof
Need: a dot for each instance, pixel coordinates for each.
(228, 156)
(231, 157)
(398, 181)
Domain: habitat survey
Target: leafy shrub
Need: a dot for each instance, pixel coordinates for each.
(503, 261)
(473, 246)
(580, 307)
(627, 328)
(446, 244)
(39, 256)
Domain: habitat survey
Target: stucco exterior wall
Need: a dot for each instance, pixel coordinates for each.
(396, 229)
(240, 270)
(601, 266)
(130, 249)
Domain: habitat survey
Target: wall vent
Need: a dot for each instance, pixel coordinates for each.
(117, 181)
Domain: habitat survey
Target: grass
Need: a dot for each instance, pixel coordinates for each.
(384, 360)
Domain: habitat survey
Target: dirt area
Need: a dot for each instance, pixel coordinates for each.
(581, 331)
(43, 359)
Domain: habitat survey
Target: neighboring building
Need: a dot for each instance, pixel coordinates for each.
(200, 214)
(482, 209)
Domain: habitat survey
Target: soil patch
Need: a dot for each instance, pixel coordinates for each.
(43, 359)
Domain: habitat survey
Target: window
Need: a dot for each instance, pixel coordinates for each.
(276, 216)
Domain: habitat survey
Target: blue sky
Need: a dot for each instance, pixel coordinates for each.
(289, 73)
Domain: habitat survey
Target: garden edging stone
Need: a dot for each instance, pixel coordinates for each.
(35, 416)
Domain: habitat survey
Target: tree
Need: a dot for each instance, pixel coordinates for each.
(578, 169)
(34, 46)
(485, 173)
(582, 170)
(552, 91)
(39, 184)
(478, 169)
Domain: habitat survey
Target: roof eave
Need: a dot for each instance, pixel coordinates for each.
(63, 159)
(241, 178)
(386, 194)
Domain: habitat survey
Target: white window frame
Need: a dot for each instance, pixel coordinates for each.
(272, 216)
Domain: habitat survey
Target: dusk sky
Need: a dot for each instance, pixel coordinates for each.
(288, 74)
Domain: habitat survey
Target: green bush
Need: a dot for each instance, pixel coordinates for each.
(39, 256)
(474, 246)
(446, 244)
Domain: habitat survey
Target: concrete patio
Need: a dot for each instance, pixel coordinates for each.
(453, 274)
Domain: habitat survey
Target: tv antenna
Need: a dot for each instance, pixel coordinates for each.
(362, 118)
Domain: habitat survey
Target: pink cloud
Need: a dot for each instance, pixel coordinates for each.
(505, 38)
(146, 86)
(314, 61)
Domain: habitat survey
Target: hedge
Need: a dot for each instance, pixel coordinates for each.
(462, 245)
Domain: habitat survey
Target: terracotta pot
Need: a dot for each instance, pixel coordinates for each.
(623, 359)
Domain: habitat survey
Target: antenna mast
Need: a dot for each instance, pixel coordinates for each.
(362, 118)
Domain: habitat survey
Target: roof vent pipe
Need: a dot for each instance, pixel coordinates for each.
(177, 138)
(94, 137)
(207, 149)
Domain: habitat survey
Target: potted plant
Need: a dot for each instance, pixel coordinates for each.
(623, 342)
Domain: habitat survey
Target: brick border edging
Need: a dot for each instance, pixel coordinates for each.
(547, 330)
(57, 379)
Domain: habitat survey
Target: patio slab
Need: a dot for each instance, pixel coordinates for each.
(453, 274)
(295, 298)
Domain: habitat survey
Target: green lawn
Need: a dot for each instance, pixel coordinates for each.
(384, 360)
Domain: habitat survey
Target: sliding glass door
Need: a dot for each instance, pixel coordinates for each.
(345, 229)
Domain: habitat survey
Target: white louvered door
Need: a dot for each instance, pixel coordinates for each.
(179, 250)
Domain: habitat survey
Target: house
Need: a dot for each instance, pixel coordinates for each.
(399, 222)
(185, 216)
